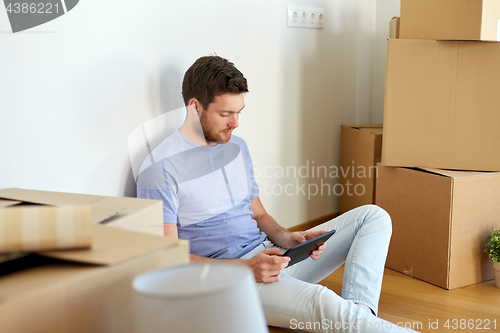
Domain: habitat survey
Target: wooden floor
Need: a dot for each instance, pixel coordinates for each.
(419, 304)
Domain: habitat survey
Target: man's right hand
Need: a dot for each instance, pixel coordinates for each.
(268, 265)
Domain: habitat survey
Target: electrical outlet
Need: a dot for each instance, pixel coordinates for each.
(305, 17)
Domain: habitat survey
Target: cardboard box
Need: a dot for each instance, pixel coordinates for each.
(442, 105)
(360, 150)
(86, 290)
(394, 24)
(141, 215)
(450, 19)
(440, 223)
(38, 228)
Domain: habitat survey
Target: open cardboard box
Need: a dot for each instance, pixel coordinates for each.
(87, 290)
(360, 150)
(441, 220)
(141, 215)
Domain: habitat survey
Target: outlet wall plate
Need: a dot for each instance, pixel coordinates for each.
(305, 17)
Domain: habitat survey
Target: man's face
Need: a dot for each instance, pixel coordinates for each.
(221, 117)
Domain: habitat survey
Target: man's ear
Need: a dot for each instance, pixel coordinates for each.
(194, 106)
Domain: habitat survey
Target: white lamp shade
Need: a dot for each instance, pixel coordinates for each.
(204, 297)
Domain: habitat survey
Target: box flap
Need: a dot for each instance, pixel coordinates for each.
(370, 128)
(373, 130)
(394, 25)
(111, 245)
(458, 174)
(8, 203)
(48, 198)
(103, 208)
(106, 209)
(36, 228)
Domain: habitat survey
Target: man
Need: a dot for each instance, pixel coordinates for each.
(204, 176)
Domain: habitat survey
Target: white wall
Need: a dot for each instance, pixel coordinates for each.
(72, 90)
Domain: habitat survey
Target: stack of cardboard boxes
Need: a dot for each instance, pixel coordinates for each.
(441, 140)
(84, 289)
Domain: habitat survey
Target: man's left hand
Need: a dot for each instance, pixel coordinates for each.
(298, 237)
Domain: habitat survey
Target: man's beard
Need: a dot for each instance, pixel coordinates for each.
(211, 134)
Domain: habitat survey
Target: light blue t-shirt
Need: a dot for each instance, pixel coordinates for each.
(206, 191)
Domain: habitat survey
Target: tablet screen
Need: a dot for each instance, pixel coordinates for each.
(303, 250)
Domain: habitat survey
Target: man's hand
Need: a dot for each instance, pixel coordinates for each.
(268, 265)
(298, 237)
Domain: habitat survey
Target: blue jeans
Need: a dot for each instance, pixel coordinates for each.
(297, 301)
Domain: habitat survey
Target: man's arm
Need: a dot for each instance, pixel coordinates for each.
(170, 230)
(276, 233)
(266, 266)
(279, 235)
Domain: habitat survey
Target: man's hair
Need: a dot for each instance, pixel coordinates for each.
(212, 76)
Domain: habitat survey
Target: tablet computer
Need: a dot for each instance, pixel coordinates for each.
(303, 250)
